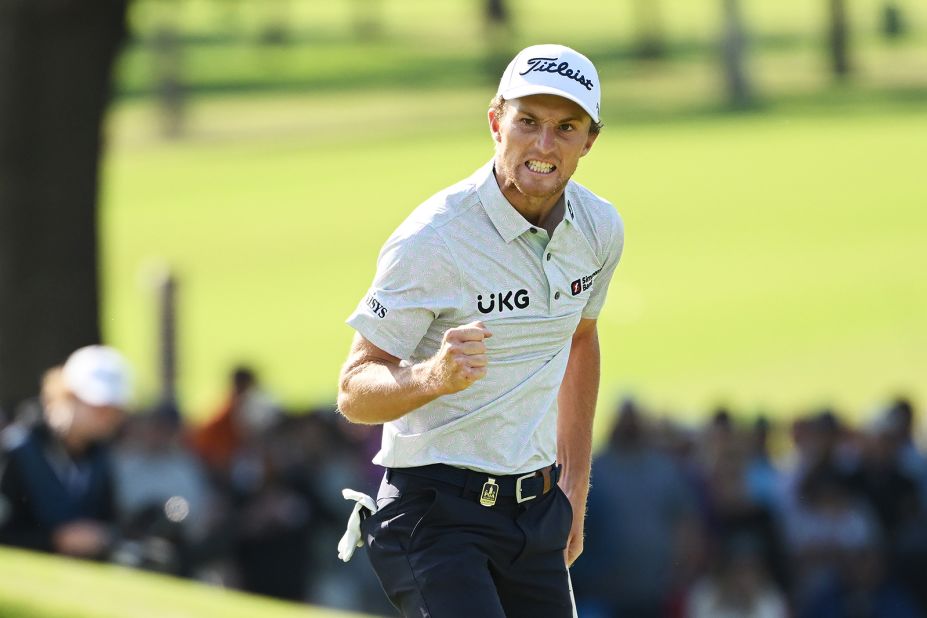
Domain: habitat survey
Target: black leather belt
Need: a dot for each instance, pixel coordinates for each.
(489, 487)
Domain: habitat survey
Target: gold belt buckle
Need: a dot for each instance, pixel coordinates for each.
(490, 492)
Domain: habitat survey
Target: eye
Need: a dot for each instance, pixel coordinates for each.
(566, 127)
(527, 122)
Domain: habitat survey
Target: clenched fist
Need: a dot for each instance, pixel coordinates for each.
(462, 360)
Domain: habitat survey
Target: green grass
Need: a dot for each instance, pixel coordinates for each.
(772, 259)
(41, 586)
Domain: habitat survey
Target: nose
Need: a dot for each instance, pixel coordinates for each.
(546, 138)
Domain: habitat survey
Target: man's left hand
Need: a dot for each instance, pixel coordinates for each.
(575, 541)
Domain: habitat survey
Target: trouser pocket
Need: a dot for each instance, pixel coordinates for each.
(546, 525)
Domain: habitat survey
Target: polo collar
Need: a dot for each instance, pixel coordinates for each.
(508, 221)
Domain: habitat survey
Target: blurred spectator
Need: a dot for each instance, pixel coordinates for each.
(762, 476)
(56, 486)
(734, 515)
(275, 512)
(739, 587)
(861, 588)
(636, 510)
(898, 422)
(827, 522)
(886, 478)
(908, 558)
(880, 479)
(245, 413)
(162, 494)
(337, 454)
(289, 511)
(817, 441)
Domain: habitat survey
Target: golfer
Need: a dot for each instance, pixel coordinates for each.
(476, 348)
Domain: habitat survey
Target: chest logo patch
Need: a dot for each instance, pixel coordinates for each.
(583, 283)
(509, 300)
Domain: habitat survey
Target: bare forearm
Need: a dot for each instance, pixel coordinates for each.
(576, 403)
(375, 392)
(376, 387)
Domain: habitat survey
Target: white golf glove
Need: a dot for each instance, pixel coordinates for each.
(353, 538)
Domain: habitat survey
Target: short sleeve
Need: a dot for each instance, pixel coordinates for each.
(613, 248)
(416, 281)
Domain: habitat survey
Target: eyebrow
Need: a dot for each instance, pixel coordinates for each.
(561, 121)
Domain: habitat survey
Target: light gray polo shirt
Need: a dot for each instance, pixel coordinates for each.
(464, 255)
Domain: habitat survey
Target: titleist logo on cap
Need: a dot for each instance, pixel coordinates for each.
(551, 65)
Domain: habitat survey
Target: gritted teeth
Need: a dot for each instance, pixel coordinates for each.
(541, 167)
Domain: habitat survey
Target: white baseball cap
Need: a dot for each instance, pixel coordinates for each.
(553, 69)
(98, 375)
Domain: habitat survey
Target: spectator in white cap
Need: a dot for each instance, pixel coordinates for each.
(477, 348)
(56, 488)
(88, 403)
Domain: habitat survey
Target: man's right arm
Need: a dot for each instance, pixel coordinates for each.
(376, 387)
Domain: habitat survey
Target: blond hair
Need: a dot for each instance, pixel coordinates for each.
(57, 400)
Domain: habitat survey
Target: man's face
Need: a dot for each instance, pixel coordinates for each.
(539, 140)
(96, 423)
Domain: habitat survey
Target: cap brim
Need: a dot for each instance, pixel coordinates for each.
(116, 400)
(525, 91)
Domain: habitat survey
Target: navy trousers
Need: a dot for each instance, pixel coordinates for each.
(439, 553)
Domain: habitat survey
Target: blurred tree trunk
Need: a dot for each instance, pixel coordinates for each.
(278, 22)
(56, 58)
(498, 22)
(733, 46)
(497, 12)
(649, 42)
(368, 19)
(167, 48)
(893, 25)
(838, 38)
(167, 339)
(168, 81)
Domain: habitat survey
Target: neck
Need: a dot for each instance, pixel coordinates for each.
(73, 444)
(534, 209)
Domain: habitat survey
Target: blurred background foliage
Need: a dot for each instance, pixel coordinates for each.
(766, 156)
(283, 45)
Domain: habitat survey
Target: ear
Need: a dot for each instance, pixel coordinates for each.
(590, 140)
(494, 122)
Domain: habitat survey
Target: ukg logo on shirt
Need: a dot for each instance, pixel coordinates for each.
(507, 300)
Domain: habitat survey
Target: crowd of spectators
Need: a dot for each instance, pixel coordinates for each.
(744, 519)
(736, 517)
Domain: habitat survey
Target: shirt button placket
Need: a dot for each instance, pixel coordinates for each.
(551, 279)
